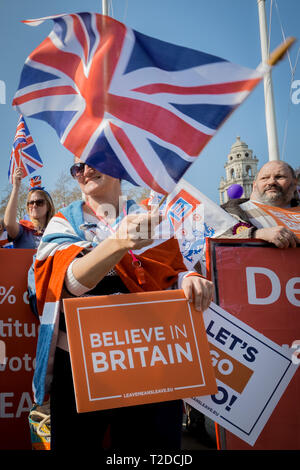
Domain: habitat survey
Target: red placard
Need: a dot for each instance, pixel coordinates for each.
(137, 348)
(260, 285)
(18, 336)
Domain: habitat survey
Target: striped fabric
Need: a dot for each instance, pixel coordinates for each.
(257, 216)
(63, 240)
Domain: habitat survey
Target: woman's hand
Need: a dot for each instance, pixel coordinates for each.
(17, 176)
(199, 291)
(137, 230)
(134, 232)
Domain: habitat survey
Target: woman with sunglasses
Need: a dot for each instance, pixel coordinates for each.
(89, 248)
(40, 209)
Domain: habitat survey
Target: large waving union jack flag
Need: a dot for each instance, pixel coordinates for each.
(129, 105)
(24, 153)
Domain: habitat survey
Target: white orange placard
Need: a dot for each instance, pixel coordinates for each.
(252, 373)
(289, 218)
(139, 348)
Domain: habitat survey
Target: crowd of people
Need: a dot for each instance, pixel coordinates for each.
(86, 249)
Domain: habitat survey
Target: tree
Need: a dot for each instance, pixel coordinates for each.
(65, 191)
(23, 192)
(136, 193)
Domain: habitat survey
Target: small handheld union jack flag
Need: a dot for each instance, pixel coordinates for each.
(24, 153)
(35, 182)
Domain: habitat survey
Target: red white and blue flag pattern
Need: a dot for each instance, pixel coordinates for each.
(24, 153)
(129, 105)
(36, 181)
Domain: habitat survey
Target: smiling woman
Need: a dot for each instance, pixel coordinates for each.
(40, 209)
(101, 246)
(98, 188)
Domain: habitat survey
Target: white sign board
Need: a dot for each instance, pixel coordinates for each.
(252, 373)
(191, 217)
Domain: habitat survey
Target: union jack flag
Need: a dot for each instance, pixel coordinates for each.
(24, 153)
(129, 105)
(36, 181)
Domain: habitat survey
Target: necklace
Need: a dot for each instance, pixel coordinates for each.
(136, 263)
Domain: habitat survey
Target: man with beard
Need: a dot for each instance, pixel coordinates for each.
(275, 185)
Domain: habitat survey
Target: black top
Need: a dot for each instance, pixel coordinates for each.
(109, 285)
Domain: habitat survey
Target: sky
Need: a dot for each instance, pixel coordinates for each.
(226, 28)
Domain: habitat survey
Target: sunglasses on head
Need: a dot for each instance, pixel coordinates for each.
(37, 202)
(77, 169)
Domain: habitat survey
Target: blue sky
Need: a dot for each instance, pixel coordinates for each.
(227, 28)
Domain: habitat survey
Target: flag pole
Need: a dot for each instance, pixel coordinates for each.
(268, 86)
(104, 7)
(280, 51)
(105, 65)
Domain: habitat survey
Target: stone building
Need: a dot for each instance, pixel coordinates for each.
(241, 168)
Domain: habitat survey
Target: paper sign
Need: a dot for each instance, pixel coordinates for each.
(289, 218)
(139, 348)
(252, 374)
(259, 285)
(191, 217)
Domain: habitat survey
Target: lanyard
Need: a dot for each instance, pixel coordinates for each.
(138, 268)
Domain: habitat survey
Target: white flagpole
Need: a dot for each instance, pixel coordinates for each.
(104, 7)
(268, 86)
(105, 13)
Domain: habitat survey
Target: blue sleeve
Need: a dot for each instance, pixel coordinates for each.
(21, 231)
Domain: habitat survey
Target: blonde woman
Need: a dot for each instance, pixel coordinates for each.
(40, 209)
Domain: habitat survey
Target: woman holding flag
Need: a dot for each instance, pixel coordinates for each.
(89, 248)
(40, 209)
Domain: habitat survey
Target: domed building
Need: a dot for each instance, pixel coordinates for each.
(241, 168)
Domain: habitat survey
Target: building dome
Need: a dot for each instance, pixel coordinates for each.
(238, 144)
(241, 168)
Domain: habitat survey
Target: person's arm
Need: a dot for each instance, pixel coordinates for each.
(89, 269)
(198, 290)
(10, 216)
(280, 236)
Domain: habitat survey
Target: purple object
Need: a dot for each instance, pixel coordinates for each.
(235, 191)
